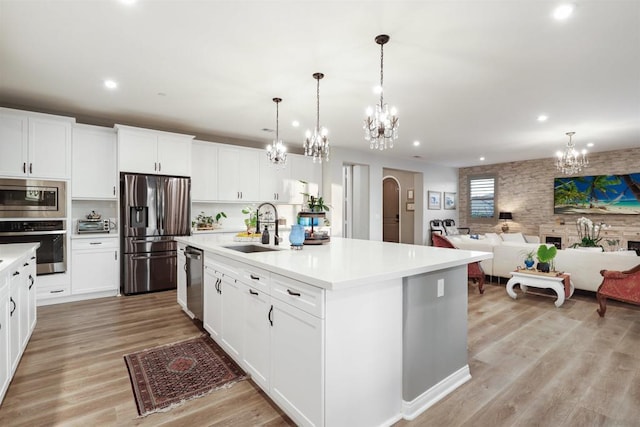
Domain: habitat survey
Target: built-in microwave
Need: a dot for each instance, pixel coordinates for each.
(31, 198)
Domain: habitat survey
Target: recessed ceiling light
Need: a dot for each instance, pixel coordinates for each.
(590, 144)
(416, 143)
(295, 123)
(542, 118)
(482, 159)
(563, 12)
(110, 84)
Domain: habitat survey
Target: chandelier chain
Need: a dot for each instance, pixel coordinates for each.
(381, 74)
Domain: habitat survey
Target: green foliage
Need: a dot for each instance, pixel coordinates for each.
(220, 215)
(546, 254)
(252, 220)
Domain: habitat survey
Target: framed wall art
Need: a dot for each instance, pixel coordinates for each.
(450, 201)
(435, 198)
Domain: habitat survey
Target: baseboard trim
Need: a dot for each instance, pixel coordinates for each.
(410, 410)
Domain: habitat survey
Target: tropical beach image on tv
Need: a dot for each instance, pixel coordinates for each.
(597, 194)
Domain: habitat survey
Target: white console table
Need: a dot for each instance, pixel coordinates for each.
(540, 280)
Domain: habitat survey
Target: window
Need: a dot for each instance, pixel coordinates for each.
(482, 197)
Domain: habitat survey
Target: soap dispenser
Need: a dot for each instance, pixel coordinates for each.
(265, 236)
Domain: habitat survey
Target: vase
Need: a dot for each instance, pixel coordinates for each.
(529, 263)
(296, 236)
(544, 267)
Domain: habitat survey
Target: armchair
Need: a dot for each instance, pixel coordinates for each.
(475, 272)
(619, 285)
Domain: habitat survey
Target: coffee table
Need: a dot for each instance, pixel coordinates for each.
(541, 280)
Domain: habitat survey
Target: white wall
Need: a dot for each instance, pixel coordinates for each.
(435, 178)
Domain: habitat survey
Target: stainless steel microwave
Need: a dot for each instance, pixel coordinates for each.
(31, 198)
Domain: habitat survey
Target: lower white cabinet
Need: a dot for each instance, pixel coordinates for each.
(182, 277)
(232, 317)
(256, 356)
(95, 265)
(4, 335)
(212, 313)
(17, 306)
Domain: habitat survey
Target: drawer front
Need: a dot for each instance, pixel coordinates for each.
(256, 277)
(52, 291)
(305, 297)
(93, 243)
(225, 266)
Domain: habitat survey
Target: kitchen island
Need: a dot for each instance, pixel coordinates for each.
(354, 332)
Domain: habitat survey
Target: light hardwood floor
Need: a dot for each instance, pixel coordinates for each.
(532, 365)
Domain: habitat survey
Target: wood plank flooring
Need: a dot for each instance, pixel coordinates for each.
(532, 365)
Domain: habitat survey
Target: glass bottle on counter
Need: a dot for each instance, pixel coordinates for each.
(265, 236)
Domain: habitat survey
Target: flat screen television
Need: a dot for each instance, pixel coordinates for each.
(597, 194)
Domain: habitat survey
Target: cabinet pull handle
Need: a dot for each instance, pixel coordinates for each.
(218, 287)
(155, 166)
(32, 281)
(15, 273)
(33, 257)
(115, 255)
(295, 294)
(30, 167)
(25, 264)
(95, 243)
(24, 167)
(269, 316)
(56, 291)
(159, 166)
(14, 306)
(252, 292)
(114, 190)
(254, 277)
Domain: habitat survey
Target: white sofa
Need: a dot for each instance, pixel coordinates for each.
(584, 266)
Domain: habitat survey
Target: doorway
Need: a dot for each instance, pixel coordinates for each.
(356, 201)
(390, 210)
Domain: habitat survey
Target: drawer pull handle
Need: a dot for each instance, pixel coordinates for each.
(14, 306)
(95, 243)
(295, 294)
(32, 281)
(254, 277)
(15, 273)
(25, 264)
(56, 291)
(252, 292)
(269, 316)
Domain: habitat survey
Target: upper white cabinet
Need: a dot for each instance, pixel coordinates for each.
(238, 174)
(94, 172)
(204, 171)
(35, 145)
(153, 152)
(274, 181)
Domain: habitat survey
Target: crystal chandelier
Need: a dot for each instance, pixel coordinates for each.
(381, 128)
(316, 144)
(570, 161)
(277, 153)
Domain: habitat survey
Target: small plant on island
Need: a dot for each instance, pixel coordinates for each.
(251, 221)
(545, 257)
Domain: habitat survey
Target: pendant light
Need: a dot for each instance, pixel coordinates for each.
(277, 153)
(316, 143)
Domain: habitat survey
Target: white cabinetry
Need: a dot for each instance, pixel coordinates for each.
(232, 316)
(35, 145)
(212, 312)
(4, 334)
(182, 278)
(274, 181)
(16, 308)
(204, 171)
(94, 172)
(256, 356)
(94, 265)
(238, 174)
(153, 152)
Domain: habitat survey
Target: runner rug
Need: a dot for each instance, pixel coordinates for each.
(167, 376)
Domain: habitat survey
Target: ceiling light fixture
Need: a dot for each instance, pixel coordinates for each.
(570, 161)
(416, 143)
(277, 152)
(563, 12)
(381, 128)
(316, 144)
(110, 84)
(542, 118)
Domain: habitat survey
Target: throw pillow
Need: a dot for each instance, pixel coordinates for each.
(513, 237)
(493, 238)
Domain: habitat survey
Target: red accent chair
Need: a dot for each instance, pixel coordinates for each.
(619, 285)
(474, 269)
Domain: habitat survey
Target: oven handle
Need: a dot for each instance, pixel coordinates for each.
(33, 233)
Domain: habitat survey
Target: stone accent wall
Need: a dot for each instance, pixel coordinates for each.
(526, 189)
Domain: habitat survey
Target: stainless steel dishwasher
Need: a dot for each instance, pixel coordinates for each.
(195, 287)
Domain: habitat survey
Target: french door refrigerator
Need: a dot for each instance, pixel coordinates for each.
(153, 209)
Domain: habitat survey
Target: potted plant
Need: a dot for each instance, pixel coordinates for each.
(251, 222)
(529, 258)
(316, 204)
(204, 221)
(219, 216)
(545, 256)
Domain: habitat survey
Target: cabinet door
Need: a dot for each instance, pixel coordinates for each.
(232, 316)
(212, 321)
(174, 155)
(297, 363)
(23, 311)
(4, 336)
(204, 172)
(14, 133)
(137, 151)
(256, 348)
(15, 308)
(248, 170)
(182, 278)
(94, 270)
(273, 181)
(30, 273)
(94, 171)
(49, 148)
(303, 169)
(228, 174)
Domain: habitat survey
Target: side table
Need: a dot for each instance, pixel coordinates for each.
(541, 280)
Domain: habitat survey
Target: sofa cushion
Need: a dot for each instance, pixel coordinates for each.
(494, 238)
(513, 237)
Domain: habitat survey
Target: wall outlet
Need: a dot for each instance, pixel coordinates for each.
(440, 288)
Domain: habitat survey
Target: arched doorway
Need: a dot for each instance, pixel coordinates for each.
(390, 209)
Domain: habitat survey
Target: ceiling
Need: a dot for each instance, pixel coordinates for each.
(469, 78)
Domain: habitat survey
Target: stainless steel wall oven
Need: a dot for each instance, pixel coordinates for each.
(51, 255)
(31, 198)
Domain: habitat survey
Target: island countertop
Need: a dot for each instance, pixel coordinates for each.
(10, 252)
(342, 263)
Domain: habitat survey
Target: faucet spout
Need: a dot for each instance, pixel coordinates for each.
(276, 236)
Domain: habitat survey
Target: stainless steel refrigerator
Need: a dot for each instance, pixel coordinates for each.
(153, 209)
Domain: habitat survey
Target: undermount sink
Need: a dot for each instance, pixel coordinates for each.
(247, 249)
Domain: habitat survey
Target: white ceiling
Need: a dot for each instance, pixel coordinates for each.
(469, 78)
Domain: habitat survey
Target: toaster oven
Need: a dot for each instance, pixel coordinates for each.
(93, 226)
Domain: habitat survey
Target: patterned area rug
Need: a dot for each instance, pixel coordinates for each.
(167, 376)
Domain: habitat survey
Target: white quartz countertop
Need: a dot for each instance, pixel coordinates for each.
(10, 252)
(342, 263)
